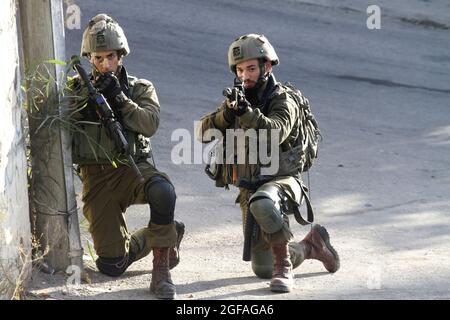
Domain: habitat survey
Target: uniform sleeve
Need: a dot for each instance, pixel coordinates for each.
(77, 98)
(141, 113)
(213, 120)
(282, 116)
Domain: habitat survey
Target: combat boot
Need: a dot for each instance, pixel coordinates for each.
(317, 246)
(174, 252)
(282, 278)
(162, 286)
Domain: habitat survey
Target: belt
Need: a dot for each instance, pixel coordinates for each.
(96, 168)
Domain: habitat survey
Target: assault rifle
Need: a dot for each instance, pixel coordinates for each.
(236, 93)
(251, 228)
(106, 115)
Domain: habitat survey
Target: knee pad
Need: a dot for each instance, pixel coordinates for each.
(262, 264)
(265, 207)
(114, 267)
(160, 194)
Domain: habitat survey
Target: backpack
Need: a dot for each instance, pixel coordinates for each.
(305, 148)
(307, 143)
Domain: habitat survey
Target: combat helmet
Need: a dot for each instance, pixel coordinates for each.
(250, 46)
(104, 34)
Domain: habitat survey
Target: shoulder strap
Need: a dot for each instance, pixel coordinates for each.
(268, 96)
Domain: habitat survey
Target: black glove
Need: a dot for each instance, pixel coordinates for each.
(236, 104)
(242, 106)
(228, 113)
(108, 85)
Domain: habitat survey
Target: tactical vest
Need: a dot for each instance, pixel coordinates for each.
(290, 153)
(231, 173)
(91, 145)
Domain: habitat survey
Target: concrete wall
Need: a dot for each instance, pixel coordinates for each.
(15, 234)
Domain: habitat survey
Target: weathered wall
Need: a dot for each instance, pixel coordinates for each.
(15, 239)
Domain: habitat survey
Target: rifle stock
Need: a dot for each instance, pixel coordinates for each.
(248, 236)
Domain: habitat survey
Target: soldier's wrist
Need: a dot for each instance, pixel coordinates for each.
(229, 115)
(120, 99)
(242, 110)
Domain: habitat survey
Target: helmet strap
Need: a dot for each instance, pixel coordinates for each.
(262, 71)
(119, 69)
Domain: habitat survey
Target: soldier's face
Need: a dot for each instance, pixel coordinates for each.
(248, 72)
(105, 61)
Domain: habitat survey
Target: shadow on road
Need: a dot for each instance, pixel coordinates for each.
(311, 275)
(199, 286)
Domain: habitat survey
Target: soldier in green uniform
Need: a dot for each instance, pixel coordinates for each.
(110, 185)
(267, 106)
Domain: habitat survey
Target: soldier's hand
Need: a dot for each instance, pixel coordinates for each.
(229, 113)
(242, 106)
(235, 103)
(108, 85)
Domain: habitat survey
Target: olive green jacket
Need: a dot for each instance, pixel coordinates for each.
(140, 118)
(281, 114)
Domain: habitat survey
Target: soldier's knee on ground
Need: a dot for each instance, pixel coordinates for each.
(160, 194)
(114, 267)
(266, 214)
(262, 263)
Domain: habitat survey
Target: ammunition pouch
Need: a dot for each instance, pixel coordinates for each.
(91, 144)
(215, 168)
(291, 161)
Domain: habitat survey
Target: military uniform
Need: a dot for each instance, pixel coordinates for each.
(110, 185)
(268, 106)
(108, 191)
(282, 108)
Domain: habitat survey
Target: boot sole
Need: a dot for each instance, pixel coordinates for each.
(326, 237)
(169, 296)
(165, 297)
(280, 288)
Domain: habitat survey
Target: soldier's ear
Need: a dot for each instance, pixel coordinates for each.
(120, 54)
(268, 66)
(90, 58)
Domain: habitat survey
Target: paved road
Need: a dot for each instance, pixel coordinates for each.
(380, 185)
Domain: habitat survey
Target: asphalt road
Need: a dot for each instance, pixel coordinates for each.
(380, 184)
